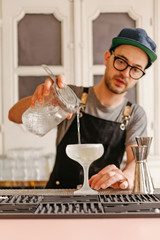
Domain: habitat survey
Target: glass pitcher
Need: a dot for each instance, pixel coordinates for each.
(56, 107)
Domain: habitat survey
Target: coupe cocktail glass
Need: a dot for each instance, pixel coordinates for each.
(85, 154)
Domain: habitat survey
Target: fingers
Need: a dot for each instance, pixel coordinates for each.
(47, 86)
(45, 89)
(110, 176)
(104, 171)
(61, 81)
(38, 95)
(124, 185)
(41, 91)
(49, 83)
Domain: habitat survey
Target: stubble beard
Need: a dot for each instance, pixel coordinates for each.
(114, 89)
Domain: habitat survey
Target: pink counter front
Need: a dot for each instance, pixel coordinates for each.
(78, 229)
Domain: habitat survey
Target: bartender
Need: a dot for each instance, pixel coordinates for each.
(107, 117)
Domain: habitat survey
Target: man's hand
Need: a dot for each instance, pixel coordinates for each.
(110, 176)
(45, 88)
(16, 112)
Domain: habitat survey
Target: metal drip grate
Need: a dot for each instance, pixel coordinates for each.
(70, 206)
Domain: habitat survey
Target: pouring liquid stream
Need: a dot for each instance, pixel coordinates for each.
(78, 126)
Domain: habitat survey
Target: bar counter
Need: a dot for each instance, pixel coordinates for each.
(22, 184)
(69, 229)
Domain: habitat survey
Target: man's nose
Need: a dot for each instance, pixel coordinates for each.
(126, 72)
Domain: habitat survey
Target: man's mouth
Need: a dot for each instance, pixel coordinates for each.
(120, 81)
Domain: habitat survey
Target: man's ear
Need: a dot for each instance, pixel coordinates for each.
(106, 57)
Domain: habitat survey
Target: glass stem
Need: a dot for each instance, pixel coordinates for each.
(86, 175)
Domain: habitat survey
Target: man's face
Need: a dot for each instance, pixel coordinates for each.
(119, 82)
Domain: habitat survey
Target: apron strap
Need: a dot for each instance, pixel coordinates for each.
(126, 116)
(84, 96)
(83, 101)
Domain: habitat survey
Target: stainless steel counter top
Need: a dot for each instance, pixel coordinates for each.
(60, 191)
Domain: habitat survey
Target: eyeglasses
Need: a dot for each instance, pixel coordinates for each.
(120, 65)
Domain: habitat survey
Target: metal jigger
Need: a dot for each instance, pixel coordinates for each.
(141, 141)
(139, 153)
